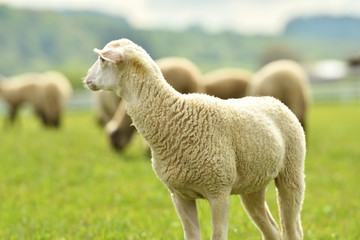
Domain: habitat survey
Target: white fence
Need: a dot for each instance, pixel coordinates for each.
(336, 91)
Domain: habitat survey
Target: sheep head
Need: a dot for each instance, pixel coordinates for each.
(103, 74)
(120, 63)
(120, 68)
(106, 72)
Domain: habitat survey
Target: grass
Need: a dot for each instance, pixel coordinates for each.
(69, 184)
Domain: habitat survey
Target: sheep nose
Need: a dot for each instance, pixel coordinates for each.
(89, 82)
(91, 85)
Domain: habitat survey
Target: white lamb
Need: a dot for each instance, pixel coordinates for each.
(205, 147)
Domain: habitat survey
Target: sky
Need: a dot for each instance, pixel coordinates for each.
(245, 16)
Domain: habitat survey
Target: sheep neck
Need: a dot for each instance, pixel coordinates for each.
(155, 104)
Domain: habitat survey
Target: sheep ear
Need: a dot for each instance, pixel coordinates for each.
(111, 55)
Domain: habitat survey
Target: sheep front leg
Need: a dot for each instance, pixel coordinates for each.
(220, 208)
(187, 212)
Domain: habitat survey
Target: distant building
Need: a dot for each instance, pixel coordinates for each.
(327, 70)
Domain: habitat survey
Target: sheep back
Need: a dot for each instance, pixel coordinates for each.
(285, 80)
(227, 83)
(182, 74)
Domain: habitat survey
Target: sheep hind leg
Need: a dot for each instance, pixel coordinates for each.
(290, 198)
(257, 209)
(187, 212)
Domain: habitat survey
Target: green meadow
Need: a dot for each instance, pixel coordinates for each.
(69, 184)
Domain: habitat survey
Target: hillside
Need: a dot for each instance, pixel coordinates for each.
(325, 27)
(41, 40)
(36, 41)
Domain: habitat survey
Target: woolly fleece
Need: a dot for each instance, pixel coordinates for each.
(182, 74)
(205, 147)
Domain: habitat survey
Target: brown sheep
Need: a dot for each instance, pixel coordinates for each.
(180, 73)
(287, 81)
(48, 93)
(227, 83)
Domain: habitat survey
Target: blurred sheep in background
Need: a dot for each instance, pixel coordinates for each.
(48, 93)
(287, 81)
(227, 83)
(106, 104)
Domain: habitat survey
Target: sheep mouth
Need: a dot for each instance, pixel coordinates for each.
(90, 85)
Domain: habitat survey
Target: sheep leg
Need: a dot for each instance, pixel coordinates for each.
(220, 208)
(187, 212)
(41, 114)
(13, 113)
(257, 209)
(290, 197)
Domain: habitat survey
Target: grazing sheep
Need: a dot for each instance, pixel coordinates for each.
(180, 73)
(206, 147)
(47, 93)
(120, 129)
(106, 104)
(227, 83)
(287, 81)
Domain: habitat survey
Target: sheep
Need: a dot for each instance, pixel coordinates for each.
(206, 147)
(227, 83)
(120, 129)
(287, 81)
(106, 104)
(47, 92)
(182, 74)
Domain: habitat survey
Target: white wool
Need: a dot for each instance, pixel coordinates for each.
(182, 74)
(205, 147)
